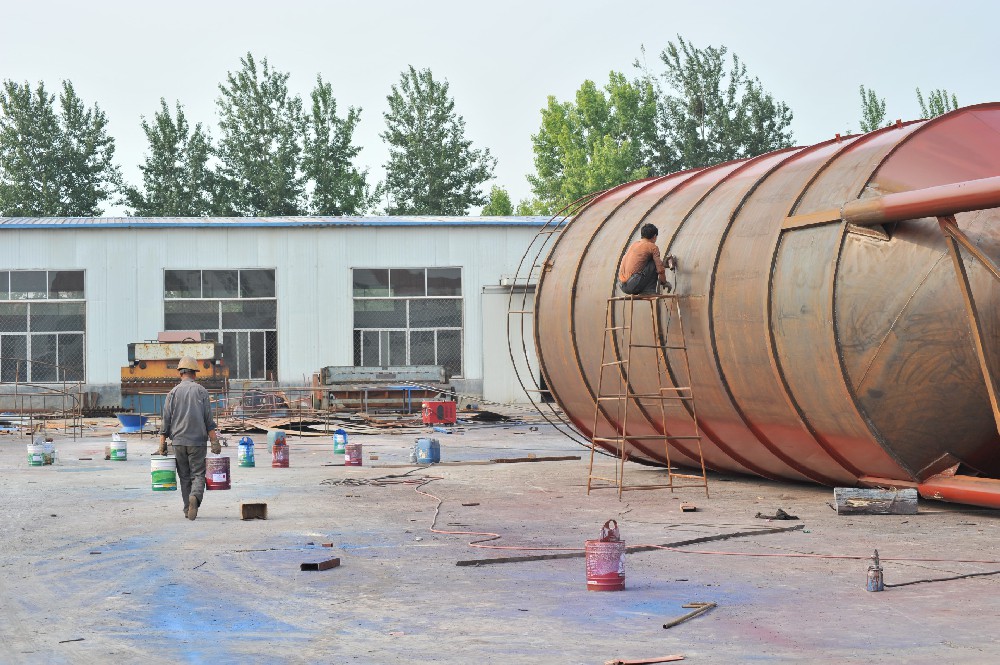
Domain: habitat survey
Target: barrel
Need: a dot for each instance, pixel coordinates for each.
(428, 451)
(217, 472)
(246, 458)
(339, 441)
(816, 349)
(279, 449)
(352, 454)
(163, 471)
(119, 450)
(36, 454)
(606, 560)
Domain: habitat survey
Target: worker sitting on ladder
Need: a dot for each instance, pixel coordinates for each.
(642, 267)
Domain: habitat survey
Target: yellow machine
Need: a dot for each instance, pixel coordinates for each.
(152, 368)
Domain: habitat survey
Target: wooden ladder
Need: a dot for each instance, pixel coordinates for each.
(620, 394)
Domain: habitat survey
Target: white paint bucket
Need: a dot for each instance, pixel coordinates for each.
(119, 450)
(164, 473)
(36, 454)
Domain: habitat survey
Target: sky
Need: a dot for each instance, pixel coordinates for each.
(502, 59)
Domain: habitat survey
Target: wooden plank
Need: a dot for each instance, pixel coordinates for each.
(326, 564)
(860, 501)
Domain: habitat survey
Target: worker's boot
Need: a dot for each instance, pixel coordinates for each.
(192, 511)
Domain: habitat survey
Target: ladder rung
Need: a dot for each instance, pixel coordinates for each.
(687, 475)
(617, 362)
(610, 480)
(695, 436)
(617, 328)
(539, 390)
(625, 437)
(676, 388)
(520, 311)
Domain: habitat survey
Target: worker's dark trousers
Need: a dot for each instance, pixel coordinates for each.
(643, 281)
(191, 471)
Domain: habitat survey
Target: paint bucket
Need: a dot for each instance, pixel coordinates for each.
(279, 449)
(428, 451)
(36, 454)
(217, 472)
(164, 473)
(339, 441)
(352, 454)
(119, 449)
(606, 560)
(246, 452)
(48, 453)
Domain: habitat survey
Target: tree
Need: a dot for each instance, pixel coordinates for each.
(499, 204)
(604, 138)
(53, 164)
(432, 168)
(938, 103)
(872, 111)
(177, 180)
(709, 113)
(259, 147)
(339, 188)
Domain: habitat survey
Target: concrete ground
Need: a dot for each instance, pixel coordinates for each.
(96, 568)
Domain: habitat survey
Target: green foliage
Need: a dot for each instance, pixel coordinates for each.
(53, 164)
(432, 168)
(604, 138)
(177, 180)
(711, 113)
(339, 188)
(872, 111)
(499, 204)
(938, 103)
(259, 148)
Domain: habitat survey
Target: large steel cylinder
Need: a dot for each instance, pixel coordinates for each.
(824, 353)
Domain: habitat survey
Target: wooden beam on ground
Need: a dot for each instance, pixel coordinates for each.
(860, 501)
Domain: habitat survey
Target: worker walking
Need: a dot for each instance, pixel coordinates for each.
(188, 423)
(642, 267)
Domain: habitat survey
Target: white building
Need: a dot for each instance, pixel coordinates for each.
(286, 296)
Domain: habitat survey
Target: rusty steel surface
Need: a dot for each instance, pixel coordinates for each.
(820, 352)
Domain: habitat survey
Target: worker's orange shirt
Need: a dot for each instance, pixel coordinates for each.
(637, 256)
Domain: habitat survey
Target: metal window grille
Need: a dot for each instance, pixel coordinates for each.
(409, 316)
(235, 307)
(43, 323)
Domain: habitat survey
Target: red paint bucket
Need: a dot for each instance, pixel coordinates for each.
(279, 449)
(217, 473)
(352, 454)
(279, 456)
(606, 560)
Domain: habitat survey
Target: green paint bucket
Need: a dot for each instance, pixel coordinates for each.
(36, 454)
(164, 473)
(119, 450)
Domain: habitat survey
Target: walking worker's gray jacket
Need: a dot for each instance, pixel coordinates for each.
(187, 415)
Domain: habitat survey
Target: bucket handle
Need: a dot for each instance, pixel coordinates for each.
(609, 533)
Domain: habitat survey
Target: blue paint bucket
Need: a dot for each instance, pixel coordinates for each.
(246, 452)
(428, 451)
(339, 442)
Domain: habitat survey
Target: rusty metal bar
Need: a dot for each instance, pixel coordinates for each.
(937, 201)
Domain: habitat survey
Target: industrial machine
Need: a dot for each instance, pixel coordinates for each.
(841, 304)
(366, 389)
(152, 368)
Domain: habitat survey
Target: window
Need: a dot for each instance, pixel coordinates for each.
(408, 316)
(43, 323)
(236, 307)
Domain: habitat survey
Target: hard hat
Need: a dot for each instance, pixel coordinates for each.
(189, 363)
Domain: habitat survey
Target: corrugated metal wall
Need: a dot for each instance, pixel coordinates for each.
(124, 279)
